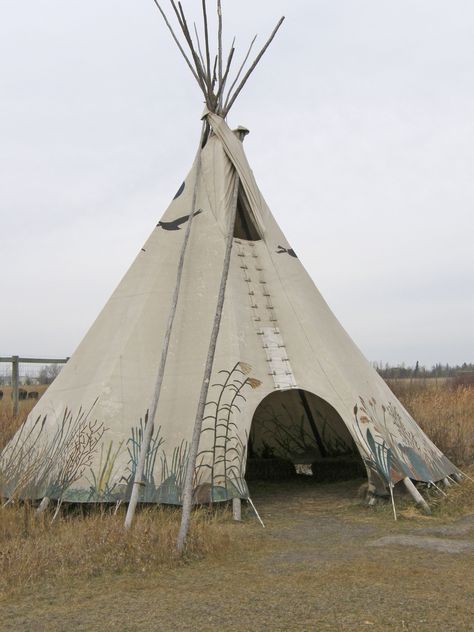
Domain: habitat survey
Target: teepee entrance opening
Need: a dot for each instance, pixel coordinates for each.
(296, 432)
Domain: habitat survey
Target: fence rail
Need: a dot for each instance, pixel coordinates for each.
(15, 361)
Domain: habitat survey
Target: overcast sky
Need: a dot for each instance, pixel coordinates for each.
(362, 128)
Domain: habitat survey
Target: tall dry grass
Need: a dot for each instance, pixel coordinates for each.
(75, 545)
(459, 501)
(444, 411)
(33, 549)
(91, 543)
(9, 424)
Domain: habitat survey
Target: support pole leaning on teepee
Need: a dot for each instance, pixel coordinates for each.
(189, 478)
(417, 497)
(137, 481)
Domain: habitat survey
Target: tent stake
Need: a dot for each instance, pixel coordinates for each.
(191, 465)
(393, 501)
(451, 480)
(417, 497)
(438, 488)
(256, 512)
(138, 482)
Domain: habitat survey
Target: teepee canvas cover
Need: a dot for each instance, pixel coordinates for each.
(81, 441)
(285, 373)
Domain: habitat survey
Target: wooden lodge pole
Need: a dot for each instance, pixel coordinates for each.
(148, 431)
(446, 482)
(237, 509)
(206, 80)
(190, 469)
(417, 497)
(43, 505)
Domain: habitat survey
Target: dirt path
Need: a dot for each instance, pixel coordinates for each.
(322, 563)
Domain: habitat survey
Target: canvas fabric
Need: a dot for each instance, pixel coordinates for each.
(285, 373)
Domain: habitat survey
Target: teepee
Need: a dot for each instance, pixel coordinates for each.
(215, 343)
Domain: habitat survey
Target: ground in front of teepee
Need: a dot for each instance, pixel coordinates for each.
(323, 562)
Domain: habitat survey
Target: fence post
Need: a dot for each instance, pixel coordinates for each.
(15, 384)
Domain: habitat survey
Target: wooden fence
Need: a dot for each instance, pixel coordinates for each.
(15, 361)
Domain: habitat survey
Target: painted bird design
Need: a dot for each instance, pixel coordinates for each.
(175, 224)
(288, 251)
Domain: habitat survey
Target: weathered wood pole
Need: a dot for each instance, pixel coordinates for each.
(147, 433)
(417, 497)
(237, 509)
(15, 384)
(43, 505)
(189, 478)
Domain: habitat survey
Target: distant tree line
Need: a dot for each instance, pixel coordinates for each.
(49, 372)
(438, 370)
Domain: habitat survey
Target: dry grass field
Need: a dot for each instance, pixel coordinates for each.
(9, 423)
(444, 411)
(324, 561)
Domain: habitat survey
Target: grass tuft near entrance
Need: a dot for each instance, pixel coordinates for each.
(459, 499)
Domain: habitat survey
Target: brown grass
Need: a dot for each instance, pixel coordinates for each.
(445, 412)
(459, 500)
(78, 547)
(312, 568)
(9, 423)
(33, 549)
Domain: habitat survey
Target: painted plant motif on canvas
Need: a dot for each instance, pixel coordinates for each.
(394, 447)
(50, 466)
(34, 467)
(222, 456)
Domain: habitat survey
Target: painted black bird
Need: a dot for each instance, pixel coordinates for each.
(176, 223)
(288, 251)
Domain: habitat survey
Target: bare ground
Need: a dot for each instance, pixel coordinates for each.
(323, 562)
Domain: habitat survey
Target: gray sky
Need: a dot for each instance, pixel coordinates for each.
(362, 121)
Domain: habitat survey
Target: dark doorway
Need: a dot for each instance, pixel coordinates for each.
(299, 432)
